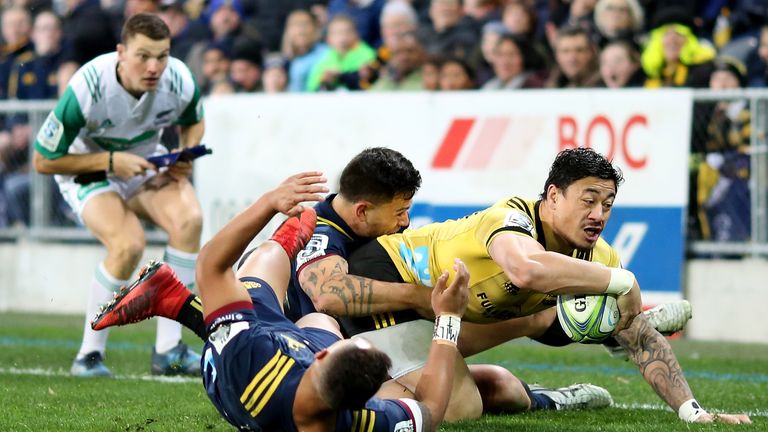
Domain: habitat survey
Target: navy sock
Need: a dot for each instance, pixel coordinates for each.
(538, 400)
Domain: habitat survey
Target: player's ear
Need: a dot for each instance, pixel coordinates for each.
(552, 193)
(360, 208)
(321, 354)
(120, 51)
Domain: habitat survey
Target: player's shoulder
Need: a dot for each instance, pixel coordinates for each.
(605, 254)
(89, 83)
(513, 212)
(518, 203)
(178, 79)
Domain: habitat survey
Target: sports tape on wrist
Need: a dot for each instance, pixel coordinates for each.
(690, 410)
(621, 281)
(447, 328)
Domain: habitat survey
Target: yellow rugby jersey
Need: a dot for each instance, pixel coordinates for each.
(422, 254)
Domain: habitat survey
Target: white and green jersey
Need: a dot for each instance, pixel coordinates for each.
(97, 114)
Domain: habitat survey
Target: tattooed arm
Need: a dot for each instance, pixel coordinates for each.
(335, 292)
(653, 355)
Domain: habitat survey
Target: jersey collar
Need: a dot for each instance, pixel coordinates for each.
(327, 215)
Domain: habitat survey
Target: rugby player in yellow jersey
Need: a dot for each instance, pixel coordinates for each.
(521, 254)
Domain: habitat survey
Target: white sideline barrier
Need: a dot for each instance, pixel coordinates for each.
(728, 299)
(54, 278)
(51, 277)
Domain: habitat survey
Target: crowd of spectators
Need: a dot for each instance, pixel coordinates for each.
(245, 46)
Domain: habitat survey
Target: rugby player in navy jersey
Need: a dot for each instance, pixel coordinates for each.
(264, 372)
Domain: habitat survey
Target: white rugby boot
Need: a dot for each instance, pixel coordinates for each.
(577, 396)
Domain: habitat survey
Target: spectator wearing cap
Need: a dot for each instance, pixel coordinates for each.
(365, 15)
(403, 72)
(619, 19)
(215, 70)
(245, 69)
(35, 77)
(620, 65)
(450, 33)
(347, 54)
(185, 32)
(302, 47)
(516, 65)
(720, 161)
(16, 26)
(87, 34)
(275, 74)
(576, 60)
(674, 56)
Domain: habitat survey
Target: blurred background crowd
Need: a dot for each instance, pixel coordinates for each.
(273, 46)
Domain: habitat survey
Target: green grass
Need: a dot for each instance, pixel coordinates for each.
(724, 377)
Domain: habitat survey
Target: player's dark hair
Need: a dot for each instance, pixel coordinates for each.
(378, 175)
(572, 165)
(146, 24)
(354, 377)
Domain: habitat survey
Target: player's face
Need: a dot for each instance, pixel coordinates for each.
(386, 218)
(142, 63)
(580, 212)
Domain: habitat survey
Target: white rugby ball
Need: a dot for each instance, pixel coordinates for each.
(587, 318)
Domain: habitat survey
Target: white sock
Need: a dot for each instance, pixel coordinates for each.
(183, 264)
(103, 286)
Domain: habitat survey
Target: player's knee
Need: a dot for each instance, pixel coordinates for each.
(500, 390)
(127, 249)
(188, 225)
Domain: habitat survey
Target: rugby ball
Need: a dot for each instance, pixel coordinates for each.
(587, 318)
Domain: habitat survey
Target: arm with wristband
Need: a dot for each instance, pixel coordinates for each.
(449, 304)
(654, 357)
(529, 266)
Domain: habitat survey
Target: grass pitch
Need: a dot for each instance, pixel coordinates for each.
(38, 395)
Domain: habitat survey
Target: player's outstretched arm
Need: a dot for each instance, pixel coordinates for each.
(529, 266)
(653, 355)
(213, 272)
(449, 304)
(335, 292)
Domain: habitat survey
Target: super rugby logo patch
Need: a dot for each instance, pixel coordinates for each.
(519, 220)
(51, 132)
(315, 248)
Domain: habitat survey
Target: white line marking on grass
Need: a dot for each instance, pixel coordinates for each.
(659, 407)
(130, 377)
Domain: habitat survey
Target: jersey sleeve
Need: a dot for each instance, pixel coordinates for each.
(193, 113)
(61, 127)
(325, 241)
(388, 415)
(497, 220)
